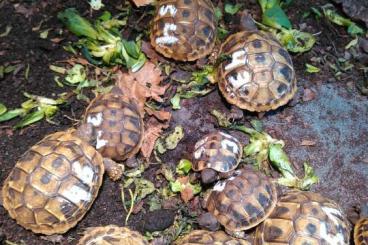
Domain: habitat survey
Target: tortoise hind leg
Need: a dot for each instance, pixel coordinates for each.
(113, 169)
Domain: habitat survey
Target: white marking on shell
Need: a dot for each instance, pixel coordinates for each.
(76, 194)
(198, 153)
(85, 173)
(238, 58)
(167, 38)
(242, 78)
(231, 178)
(168, 8)
(95, 120)
(225, 144)
(220, 186)
(100, 142)
(333, 239)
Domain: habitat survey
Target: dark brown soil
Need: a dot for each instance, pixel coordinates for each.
(336, 119)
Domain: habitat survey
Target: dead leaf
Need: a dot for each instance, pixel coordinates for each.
(308, 143)
(138, 207)
(308, 95)
(186, 194)
(20, 9)
(160, 115)
(152, 132)
(56, 39)
(151, 53)
(140, 3)
(53, 238)
(142, 84)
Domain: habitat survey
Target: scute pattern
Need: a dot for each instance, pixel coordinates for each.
(48, 191)
(258, 74)
(219, 151)
(204, 237)
(111, 235)
(242, 201)
(361, 232)
(184, 30)
(304, 218)
(117, 125)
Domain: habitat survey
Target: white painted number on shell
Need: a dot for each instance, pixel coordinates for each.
(168, 8)
(100, 142)
(225, 144)
(238, 58)
(85, 173)
(242, 78)
(325, 230)
(95, 120)
(167, 38)
(76, 194)
(220, 186)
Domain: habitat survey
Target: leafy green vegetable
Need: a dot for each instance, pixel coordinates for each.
(232, 8)
(76, 75)
(96, 4)
(184, 167)
(296, 41)
(77, 24)
(2, 108)
(312, 69)
(11, 114)
(333, 16)
(171, 141)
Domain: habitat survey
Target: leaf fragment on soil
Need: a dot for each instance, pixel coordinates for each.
(140, 3)
(153, 130)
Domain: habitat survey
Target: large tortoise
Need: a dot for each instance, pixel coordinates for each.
(242, 201)
(184, 30)
(361, 227)
(55, 182)
(203, 237)
(112, 235)
(257, 73)
(216, 152)
(114, 125)
(304, 218)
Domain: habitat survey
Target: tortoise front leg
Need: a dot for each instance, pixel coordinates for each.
(113, 169)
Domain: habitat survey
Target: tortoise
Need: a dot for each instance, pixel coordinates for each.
(111, 235)
(199, 237)
(216, 151)
(55, 182)
(114, 125)
(242, 201)
(256, 72)
(184, 30)
(361, 227)
(304, 218)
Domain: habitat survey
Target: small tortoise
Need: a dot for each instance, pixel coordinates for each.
(184, 30)
(216, 151)
(361, 227)
(304, 218)
(203, 237)
(257, 73)
(115, 125)
(112, 235)
(55, 182)
(242, 201)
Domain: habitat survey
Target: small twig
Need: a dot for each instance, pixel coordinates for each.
(132, 200)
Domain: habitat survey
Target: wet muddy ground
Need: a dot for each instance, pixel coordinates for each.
(334, 119)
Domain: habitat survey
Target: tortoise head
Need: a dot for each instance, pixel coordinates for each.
(246, 22)
(85, 132)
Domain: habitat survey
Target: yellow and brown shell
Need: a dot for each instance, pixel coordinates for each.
(361, 232)
(53, 184)
(112, 235)
(242, 201)
(184, 30)
(257, 74)
(117, 125)
(304, 218)
(203, 237)
(219, 151)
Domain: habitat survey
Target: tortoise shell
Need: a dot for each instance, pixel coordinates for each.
(257, 73)
(242, 201)
(199, 237)
(117, 125)
(184, 30)
(219, 151)
(361, 232)
(304, 218)
(53, 184)
(111, 235)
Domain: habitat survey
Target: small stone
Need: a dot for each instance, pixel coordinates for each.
(158, 220)
(208, 221)
(208, 176)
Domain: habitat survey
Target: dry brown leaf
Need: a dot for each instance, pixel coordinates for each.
(151, 52)
(53, 238)
(20, 9)
(153, 130)
(142, 84)
(160, 115)
(309, 95)
(186, 194)
(140, 3)
(308, 143)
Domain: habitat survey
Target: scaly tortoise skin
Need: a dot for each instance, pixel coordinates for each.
(361, 227)
(304, 218)
(53, 184)
(258, 74)
(184, 30)
(117, 126)
(204, 237)
(242, 201)
(112, 235)
(219, 151)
